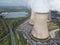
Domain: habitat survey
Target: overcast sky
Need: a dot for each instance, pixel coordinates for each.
(13, 2)
(54, 3)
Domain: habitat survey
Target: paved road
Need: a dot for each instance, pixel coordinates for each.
(53, 33)
(12, 36)
(26, 28)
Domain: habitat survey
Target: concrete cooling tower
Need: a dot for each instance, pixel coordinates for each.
(39, 19)
(31, 21)
(40, 29)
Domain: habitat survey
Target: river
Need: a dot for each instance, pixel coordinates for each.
(15, 14)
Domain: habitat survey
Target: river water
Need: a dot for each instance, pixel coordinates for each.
(15, 14)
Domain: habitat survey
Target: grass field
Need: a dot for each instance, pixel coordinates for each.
(7, 41)
(22, 40)
(15, 22)
(16, 39)
(2, 31)
(52, 26)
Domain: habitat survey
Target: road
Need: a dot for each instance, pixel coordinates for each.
(26, 28)
(12, 36)
(11, 33)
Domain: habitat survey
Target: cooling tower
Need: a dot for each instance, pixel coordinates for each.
(39, 19)
(40, 29)
(31, 21)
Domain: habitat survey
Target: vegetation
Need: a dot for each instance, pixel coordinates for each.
(13, 9)
(52, 26)
(7, 41)
(22, 40)
(16, 39)
(14, 22)
(2, 31)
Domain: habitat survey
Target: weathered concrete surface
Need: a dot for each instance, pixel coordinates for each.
(26, 28)
(53, 33)
(40, 29)
(31, 21)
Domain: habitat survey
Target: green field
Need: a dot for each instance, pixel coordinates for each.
(52, 26)
(15, 22)
(16, 39)
(2, 31)
(21, 40)
(7, 41)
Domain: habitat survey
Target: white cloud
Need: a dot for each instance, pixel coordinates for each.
(34, 4)
(55, 5)
(13, 2)
(39, 5)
